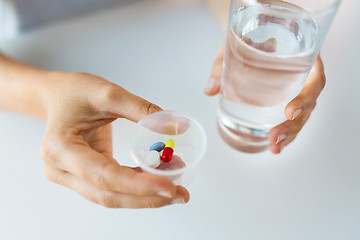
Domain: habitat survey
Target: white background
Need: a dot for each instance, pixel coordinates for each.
(163, 52)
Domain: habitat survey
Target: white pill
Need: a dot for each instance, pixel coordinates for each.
(152, 159)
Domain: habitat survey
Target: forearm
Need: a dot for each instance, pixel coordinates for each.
(22, 88)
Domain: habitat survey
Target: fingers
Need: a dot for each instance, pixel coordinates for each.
(283, 134)
(299, 109)
(113, 199)
(312, 88)
(94, 168)
(213, 85)
(277, 148)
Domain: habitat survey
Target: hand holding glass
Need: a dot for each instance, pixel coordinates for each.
(270, 49)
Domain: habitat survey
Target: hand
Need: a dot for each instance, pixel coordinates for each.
(77, 147)
(297, 111)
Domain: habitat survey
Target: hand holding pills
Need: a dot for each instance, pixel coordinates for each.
(77, 147)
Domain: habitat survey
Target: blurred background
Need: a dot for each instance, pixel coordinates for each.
(19, 16)
(163, 50)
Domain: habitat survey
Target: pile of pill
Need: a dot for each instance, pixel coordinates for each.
(161, 156)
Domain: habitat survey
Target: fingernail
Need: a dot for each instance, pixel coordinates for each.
(210, 86)
(164, 194)
(297, 113)
(179, 200)
(280, 138)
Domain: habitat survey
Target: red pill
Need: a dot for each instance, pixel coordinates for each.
(167, 154)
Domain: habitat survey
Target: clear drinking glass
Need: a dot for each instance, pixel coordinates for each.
(271, 46)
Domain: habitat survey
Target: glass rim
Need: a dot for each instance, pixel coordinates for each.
(331, 5)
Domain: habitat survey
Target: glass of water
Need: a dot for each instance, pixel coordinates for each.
(270, 49)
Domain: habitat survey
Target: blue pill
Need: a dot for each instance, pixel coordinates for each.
(159, 146)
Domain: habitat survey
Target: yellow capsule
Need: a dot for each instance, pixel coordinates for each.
(170, 143)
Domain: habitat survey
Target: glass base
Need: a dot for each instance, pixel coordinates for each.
(241, 139)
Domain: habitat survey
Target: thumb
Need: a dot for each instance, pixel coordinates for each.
(130, 106)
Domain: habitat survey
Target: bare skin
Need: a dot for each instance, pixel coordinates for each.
(77, 147)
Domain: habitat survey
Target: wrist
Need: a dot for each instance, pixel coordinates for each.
(44, 91)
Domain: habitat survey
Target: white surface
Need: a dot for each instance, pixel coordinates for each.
(311, 191)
